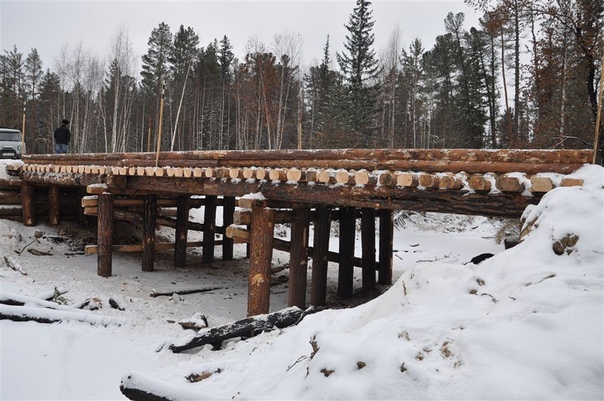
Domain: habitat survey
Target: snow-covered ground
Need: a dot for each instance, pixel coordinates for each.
(524, 324)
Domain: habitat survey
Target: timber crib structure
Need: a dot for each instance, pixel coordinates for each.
(258, 189)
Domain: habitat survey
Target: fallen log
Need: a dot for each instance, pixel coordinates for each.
(140, 387)
(24, 300)
(245, 328)
(182, 291)
(46, 315)
(13, 264)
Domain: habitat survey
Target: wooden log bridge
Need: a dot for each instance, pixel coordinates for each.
(299, 187)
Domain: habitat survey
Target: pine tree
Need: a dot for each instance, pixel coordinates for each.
(225, 58)
(361, 72)
(182, 56)
(50, 88)
(33, 75)
(155, 70)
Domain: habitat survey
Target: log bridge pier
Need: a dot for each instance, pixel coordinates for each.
(258, 189)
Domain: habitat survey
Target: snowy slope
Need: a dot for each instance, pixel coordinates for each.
(525, 324)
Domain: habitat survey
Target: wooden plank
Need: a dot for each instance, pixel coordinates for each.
(105, 234)
(259, 279)
(509, 184)
(478, 182)
(541, 184)
(159, 246)
(298, 260)
(571, 182)
(243, 235)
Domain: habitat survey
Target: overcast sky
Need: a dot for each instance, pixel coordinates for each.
(50, 25)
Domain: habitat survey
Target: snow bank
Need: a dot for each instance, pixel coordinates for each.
(525, 324)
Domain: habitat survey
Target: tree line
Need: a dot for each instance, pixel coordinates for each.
(526, 77)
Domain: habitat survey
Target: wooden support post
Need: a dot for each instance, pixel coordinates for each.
(261, 244)
(368, 240)
(228, 209)
(181, 231)
(105, 234)
(28, 192)
(347, 239)
(298, 260)
(149, 222)
(386, 246)
(209, 229)
(53, 205)
(318, 282)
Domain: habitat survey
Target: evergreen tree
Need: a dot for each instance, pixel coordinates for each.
(361, 72)
(155, 72)
(13, 87)
(413, 77)
(50, 88)
(33, 75)
(182, 56)
(225, 59)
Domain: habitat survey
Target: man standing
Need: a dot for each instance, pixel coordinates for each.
(62, 137)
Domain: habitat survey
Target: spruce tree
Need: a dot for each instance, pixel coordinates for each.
(155, 62)
(361, 71)
(155, 71)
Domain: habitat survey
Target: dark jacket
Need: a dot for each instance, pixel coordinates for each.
(62, 135)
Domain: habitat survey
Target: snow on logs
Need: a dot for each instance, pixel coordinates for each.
(489, 182)
(362, 174)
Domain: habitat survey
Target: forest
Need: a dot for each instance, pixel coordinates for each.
(526, 77)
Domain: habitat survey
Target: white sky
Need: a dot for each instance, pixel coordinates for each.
(50, 25)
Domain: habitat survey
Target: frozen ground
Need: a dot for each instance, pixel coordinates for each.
(525, 324)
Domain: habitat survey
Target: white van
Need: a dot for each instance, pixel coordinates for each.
(10, 143)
